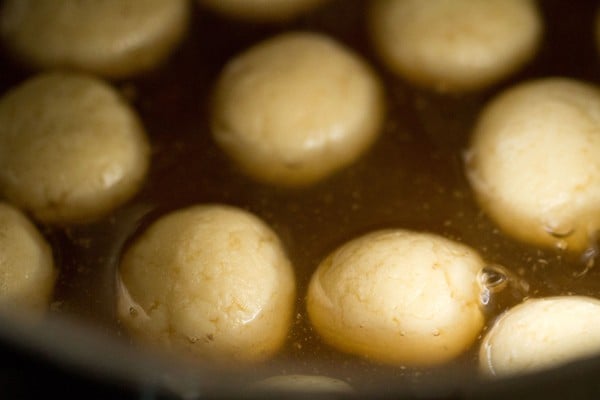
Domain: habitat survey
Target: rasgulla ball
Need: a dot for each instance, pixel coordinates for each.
(295, 108)
(262, 10)
(455, 45)
(211, 281)
(398, 297)
(27, 272)
(113, 38)
(302, 384)
(540, 334)
(534, 162)
(71, 149)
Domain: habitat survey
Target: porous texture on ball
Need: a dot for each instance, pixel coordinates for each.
(534, 162)
(71, 149)
(318, 384)
(295, 108)
(210, 281)
(113, 38)
(262, 10)
(540, 334)
(27, 272)
(455, 45)
(398, 297)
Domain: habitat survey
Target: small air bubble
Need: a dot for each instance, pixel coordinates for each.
(590, 254)
(192, 339)
(493, 277)
(484, 298)
(588, 259)
(133, 312)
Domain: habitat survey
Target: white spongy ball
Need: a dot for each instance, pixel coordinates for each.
(27, 272)
(211, 281)
(71, 149)
(455, 45)
(398, 297)
(113, 38)
(540, 334)
(295, 108)
(262, 10)
(316, 384)
(534, 162)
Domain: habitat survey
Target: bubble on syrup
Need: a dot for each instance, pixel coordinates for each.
(494, 278)
(588, 257)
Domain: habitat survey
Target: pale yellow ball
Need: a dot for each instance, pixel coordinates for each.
(455, 45)
(71, 149)
(27, 272)
(540, 334)
(113, 38)
(302, 384)
(534, 162)
(398, 297)
(296, 108)
(210, 281)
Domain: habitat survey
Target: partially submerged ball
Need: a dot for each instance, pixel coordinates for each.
(455, 45)
(71, 149)
(398, 297)
(210, 281)
(534, 162)
(296, 108)
(540, 334)
(27, 272)
(302, 384)
(112, 38)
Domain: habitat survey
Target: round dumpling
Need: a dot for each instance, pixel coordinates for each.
(71, 149)
(262, 10)
(317, 384)
(534, 162)
(27, 272)
(113, 38)
(540, 334)
(296, 108)
(211, 281)
(398, 297)
(455, 45)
